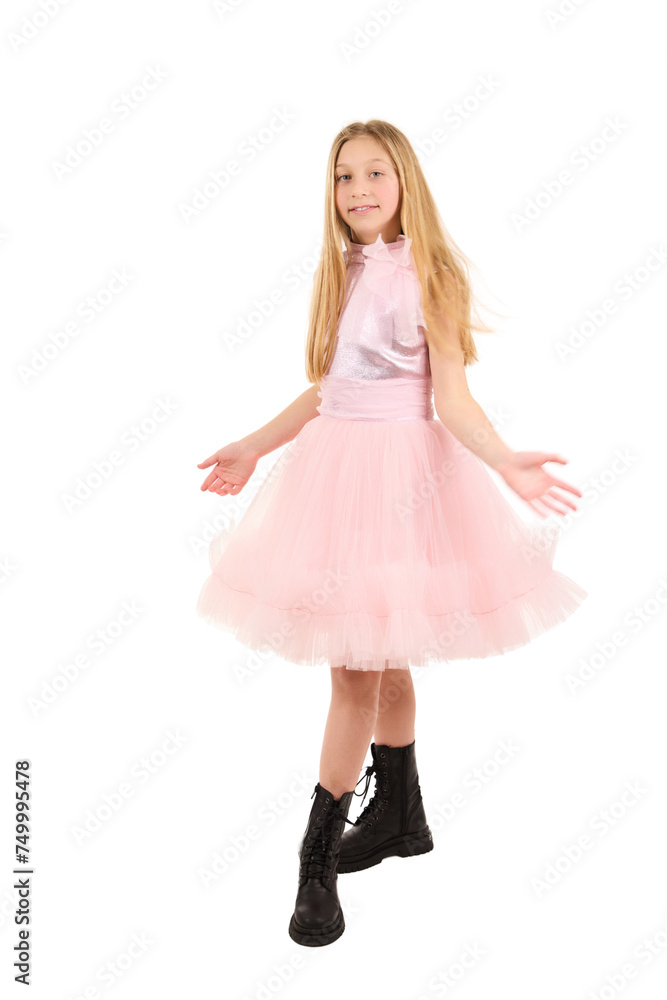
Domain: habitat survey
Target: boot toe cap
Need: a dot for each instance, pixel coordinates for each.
(317, 911)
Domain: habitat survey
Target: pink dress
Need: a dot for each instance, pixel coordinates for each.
(377, 539)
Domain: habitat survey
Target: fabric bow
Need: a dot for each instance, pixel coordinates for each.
(389, 273)
(381, 262)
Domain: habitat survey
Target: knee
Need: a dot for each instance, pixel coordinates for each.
(360, 685)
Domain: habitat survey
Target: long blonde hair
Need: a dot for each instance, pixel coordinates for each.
(442, 269)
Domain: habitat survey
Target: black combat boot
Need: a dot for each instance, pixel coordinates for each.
(393, 822)
(318, 917)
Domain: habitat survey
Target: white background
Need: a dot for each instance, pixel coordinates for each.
(138, 539)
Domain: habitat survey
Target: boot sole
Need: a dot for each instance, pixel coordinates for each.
(315, 938)
(406, 846)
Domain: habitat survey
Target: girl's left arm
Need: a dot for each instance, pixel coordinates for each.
(459, 411)
(465, 418)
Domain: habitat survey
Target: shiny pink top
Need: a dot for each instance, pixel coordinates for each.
(380, 331)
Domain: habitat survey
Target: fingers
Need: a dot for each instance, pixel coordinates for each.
(220, 486)
(554, 458)
(565, 500)
(551, 501)
(533, 506)
(207, 461)
(213, 482)
(565, 486)
(207, 482)
(547, 501)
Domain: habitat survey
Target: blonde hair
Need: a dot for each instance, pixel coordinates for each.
(442, 269)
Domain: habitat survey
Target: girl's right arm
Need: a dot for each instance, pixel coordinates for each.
(286, 425)
(235, 463)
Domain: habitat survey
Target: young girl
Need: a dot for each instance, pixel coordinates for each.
(379, 540)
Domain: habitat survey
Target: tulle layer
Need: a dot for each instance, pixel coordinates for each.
(378, 544)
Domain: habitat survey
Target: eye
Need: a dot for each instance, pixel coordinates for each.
(347, 175)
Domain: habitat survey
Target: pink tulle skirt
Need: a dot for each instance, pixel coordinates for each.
(378, 541)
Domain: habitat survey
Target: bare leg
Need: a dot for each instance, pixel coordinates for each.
(395, 726)
(350, 722)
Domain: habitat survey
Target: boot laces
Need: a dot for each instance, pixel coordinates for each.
(375, 803)
(316, 853)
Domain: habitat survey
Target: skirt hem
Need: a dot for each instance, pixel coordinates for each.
(399, 640)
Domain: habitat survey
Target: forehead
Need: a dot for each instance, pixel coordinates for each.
(372, 159)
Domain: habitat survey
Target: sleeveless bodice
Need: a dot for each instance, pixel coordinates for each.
(380, 331)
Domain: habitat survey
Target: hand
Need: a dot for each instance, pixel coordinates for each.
(234, 465)
(524, 473)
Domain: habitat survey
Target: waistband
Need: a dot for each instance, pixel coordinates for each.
(376, 399)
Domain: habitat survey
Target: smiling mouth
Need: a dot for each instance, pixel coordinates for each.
(362, 209)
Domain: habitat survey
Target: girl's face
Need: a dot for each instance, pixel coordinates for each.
(366, 177)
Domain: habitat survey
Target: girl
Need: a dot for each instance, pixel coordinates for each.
(379, 540)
